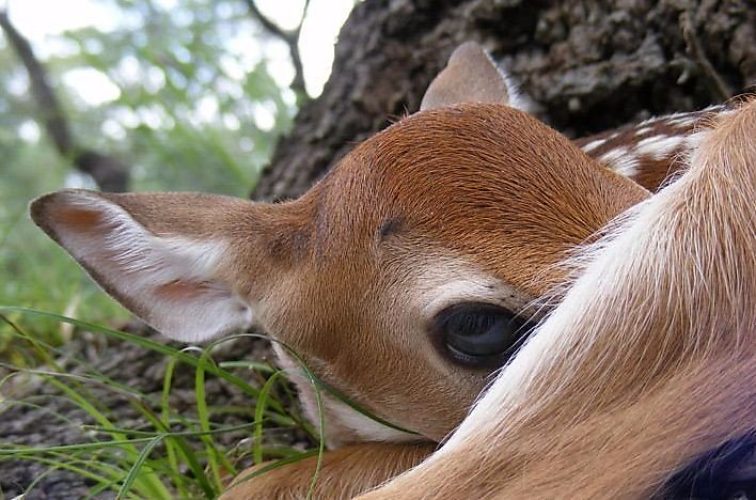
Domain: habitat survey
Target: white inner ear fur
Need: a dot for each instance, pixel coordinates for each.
(168, 280)
(516, 98)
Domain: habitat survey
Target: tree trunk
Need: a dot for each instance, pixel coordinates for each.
(587, 66)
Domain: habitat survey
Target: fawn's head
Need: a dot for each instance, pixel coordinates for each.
(398, 278)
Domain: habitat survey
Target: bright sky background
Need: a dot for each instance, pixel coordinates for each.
(42, 20)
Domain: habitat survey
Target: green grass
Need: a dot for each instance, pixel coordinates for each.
(170, 455)
(156, 460)
(34, 272)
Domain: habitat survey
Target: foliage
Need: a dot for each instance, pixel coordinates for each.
(36, 273)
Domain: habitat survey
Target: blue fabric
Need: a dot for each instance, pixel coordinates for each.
(715, 475)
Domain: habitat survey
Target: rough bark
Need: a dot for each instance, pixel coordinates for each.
(586, 65)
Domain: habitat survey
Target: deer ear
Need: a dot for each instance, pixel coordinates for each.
(164, 272)
(470, 76)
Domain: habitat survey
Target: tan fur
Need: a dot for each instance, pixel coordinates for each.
(483, 82)
(324, 276)
(346, 274)
(344, 473)
(658, 368)
(480, 214)
(503, 211)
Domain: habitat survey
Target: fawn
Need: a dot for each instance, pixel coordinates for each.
(403, 279)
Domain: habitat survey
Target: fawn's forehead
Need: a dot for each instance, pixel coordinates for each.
(453, 181)
(426, 161)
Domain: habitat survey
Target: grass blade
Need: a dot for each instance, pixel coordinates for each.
(259, 412)
(137, 467)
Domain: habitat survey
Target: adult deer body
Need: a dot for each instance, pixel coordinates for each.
(401, 278)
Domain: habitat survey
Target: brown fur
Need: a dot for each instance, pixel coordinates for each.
(503, 210)
(344, 472)
(331, 273)
(651, 170)
(654, 371)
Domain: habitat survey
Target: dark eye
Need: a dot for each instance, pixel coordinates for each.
(479, 335)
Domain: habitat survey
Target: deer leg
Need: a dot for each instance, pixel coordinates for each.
(344, 472)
